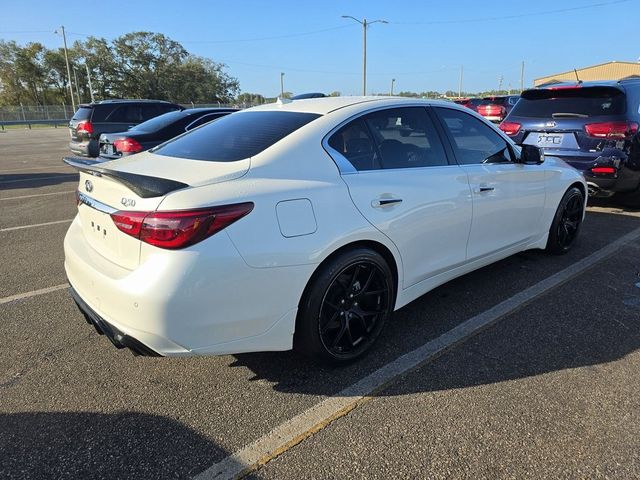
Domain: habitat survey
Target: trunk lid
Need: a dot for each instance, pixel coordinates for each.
(137, 183)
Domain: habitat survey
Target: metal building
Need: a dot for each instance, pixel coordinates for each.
(603, 71)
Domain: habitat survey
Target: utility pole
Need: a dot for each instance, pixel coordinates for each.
(500, 78)
(522, 77)
(66, 58)
(364, 24)
(460, 82)
(281, 84)
(89, 79)
(75, 79)
(393, 80)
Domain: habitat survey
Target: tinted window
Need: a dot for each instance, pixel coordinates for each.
(405, 138)
(160, 121)
(235, 137)
(588, 101)
(513, 100)
(150, 110)
(355, 144)
(128, 113)
(83, 113)
(473, 141)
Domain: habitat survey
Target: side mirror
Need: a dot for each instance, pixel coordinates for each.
(531, 155)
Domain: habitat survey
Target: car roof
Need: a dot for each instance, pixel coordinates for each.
(591, 83)
(189, 111)
(329, 104)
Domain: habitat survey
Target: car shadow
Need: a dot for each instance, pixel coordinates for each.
(12, 181)
(94, 445)
(596, 324)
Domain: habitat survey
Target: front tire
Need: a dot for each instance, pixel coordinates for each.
(566, 222)
(345, 306)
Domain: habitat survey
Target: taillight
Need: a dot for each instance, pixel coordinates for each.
(611, 129)
(128, 145)
(510, 128)
(603, 170)
(85, 126)
(179, 228)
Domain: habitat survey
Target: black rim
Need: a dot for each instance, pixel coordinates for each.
(570, 221)
(353, 307)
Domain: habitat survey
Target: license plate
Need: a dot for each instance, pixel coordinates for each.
(552, 140)
(107, 149)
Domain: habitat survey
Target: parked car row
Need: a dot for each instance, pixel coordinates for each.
(115, 128)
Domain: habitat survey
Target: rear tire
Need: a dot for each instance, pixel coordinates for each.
(566, 222)
(345, 306)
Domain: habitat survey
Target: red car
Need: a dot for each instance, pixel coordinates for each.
(495, 109)
(471, 103)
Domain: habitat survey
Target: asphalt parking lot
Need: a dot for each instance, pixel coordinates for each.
(550, 389)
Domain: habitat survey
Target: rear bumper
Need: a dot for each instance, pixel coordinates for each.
(118, 338)
(202, 300)
(88, 148)
(625, 178)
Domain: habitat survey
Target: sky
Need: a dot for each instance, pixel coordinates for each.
(423, 46)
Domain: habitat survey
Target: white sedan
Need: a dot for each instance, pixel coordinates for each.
(305, 224)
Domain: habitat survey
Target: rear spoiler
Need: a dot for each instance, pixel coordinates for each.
(142, 185)
(571, 91)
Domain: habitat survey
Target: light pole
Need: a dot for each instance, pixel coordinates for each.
(460, 82)
(66, 58)
(364, 24)
(75, 79)
(393, 80)
(89, 79)
(281, 84)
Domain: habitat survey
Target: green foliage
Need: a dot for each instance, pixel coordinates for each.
(135, 65)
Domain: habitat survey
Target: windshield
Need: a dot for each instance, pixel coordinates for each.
(235, 137)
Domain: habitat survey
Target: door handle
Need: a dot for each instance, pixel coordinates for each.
(483, 187)
(385, 202)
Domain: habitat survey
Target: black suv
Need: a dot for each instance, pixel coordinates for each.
(108, 116)
(593, 126)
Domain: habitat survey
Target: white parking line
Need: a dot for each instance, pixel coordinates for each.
(36, 195)
(36, 179)
(21, 227)
(33, 293)
(295, 430)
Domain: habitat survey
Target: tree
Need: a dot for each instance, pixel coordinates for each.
(135, 65)
(250, 99)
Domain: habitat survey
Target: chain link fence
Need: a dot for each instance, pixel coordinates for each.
(61, 113)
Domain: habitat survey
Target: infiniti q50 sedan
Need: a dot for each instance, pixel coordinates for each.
(305, 224)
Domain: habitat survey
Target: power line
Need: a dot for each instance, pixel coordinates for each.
(276, 37)
(511, 17)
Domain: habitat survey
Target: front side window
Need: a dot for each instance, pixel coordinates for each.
(235, 137)
(473, 141)
(392, 138)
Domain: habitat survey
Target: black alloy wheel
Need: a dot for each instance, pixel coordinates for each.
(344, 309)
(567, 221)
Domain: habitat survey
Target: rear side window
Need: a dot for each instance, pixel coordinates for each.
(354, 143)
(128, 113)
(235, 137)
(83, 113)
(587, 102)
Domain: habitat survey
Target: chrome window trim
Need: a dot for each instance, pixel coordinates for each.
(95, 204)
(344, 166)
